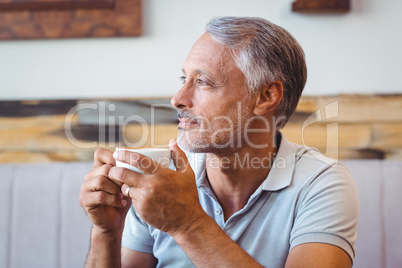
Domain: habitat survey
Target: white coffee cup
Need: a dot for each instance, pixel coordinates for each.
(160, 155)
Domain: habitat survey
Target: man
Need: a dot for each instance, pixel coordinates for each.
(250, 197)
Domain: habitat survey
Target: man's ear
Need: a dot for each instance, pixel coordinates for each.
(268, 98)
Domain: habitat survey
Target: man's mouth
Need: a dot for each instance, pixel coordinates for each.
(186, 122)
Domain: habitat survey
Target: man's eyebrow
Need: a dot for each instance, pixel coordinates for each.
(202, 72)
(198, 71)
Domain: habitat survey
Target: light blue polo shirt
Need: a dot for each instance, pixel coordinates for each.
(305, 198)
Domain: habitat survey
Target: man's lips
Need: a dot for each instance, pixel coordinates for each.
(187, 122)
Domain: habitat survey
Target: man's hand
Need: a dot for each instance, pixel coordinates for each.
(164, 198)
(101, 197)
(168, 200)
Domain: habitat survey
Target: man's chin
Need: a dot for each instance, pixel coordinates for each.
(192, 144)
(186, 146)
(200, 145)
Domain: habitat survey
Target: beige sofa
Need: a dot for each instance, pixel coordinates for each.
(42, 223)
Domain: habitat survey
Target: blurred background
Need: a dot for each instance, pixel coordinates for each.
(47, 69)
(77, 75)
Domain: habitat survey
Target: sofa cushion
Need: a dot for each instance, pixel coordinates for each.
(368, 178)
(392, 213)
(45, 225)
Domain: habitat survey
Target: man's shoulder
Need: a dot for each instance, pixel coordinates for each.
(314, 159)
(311, 163)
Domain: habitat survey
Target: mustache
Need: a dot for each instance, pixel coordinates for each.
(187, 115)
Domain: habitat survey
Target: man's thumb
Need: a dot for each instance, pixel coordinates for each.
(178, 156)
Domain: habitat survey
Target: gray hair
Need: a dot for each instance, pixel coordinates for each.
(264, 52)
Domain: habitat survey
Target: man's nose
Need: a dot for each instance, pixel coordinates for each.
(183, 98)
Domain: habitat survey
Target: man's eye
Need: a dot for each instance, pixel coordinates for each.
(201, 82)
(183, 79)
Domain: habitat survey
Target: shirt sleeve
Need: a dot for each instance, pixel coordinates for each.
(136, 233)
(327, 211)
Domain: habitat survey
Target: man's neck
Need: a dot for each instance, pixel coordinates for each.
(234, 177)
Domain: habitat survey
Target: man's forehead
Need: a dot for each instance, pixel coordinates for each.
(207, 53)
(206, 46)
(207, 39)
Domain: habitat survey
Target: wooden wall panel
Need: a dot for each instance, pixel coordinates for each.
(69, 19)
(321, 6)
(366, 127)
(32, 5)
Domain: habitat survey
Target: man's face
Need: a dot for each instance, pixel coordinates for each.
(213, 104)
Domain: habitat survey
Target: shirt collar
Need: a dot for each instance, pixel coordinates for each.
(197, 163)
(281, 173)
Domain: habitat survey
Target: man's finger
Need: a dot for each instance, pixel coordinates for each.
(128, 191)
(97, 198)
(101, 183)
(103, 156)
(178, 156)
(121, 175)
(98, 171)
